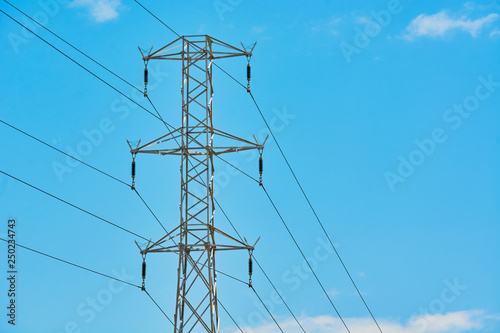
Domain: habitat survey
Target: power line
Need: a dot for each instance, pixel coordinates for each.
(150, 210)
(234, 321)
(89, 270)
(171, 322)
(262, 269)
(234, 278)
(265, 306)
(86, 164)
(314, 211)
(255, 259)
(74, 206)
(243, 172)
(83, 67)
(73, 264)
(62, 152)
(74, 47)
(305, 258)
(235, 80)
(157, 18)
(276, 290)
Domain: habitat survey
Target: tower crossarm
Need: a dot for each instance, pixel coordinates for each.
(201, 245)
(177, 49)
(200, 148)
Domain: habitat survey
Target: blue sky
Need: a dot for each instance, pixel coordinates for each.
(386, 110)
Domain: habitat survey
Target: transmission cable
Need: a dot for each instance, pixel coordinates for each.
(265, 306)
(62, 152)
(89, 270)
(72, 264)
(314, 212)
(86, 164)
(243, 172)
(150, 210)
(73, 47)
(81, 66)
(171, 322)
(74, 206)
(234, 278)
(305, 258)
(234, 321)
(157, 18)
(262, 269)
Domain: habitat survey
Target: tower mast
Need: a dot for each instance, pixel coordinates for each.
(197, 141)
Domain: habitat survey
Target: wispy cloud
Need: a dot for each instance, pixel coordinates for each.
(258, 29)
(362, 19)
(453, 322)
(333, 292)
(100, 10)
(443, 23)
(495, 32)
(330, 26)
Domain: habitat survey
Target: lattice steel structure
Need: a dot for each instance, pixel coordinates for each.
(196, 239)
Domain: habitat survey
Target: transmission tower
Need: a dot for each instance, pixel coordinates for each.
(196, 239)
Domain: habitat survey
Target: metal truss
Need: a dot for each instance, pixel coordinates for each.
(196, 239)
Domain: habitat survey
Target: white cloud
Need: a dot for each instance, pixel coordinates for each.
(442, 23)
(453, 322)
(100, 10)
(329, 26)
(202, 28)
(495, 32)
(258, 29)
(362, 19)
(333, 293)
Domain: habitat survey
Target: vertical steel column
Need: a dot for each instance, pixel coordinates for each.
(196, 296)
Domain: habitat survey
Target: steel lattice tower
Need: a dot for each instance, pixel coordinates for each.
(196, 239)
